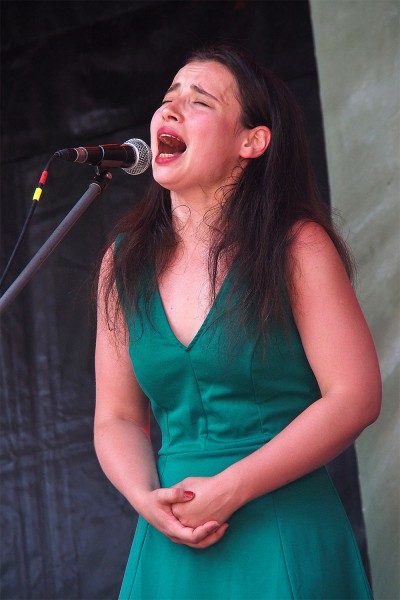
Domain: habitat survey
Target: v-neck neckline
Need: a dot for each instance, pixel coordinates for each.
(205, 322)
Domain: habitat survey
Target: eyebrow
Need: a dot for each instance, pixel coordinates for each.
(195, 88)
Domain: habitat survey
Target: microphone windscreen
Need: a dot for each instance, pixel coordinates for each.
(143, 153)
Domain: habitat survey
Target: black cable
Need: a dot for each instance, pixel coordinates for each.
(36, 198)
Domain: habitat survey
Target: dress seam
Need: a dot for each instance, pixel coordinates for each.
(255, 395)
(281, 542)
(137, 566)
(350, 529)
(201, 400)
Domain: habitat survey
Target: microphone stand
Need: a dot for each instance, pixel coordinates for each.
(96, 187)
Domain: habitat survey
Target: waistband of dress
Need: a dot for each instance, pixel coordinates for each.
(223, 449)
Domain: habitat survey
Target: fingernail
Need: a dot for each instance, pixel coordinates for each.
(188, 494)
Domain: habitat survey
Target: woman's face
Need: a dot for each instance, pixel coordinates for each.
(196, 134)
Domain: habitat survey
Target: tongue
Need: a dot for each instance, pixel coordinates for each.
(178, 147)
(170, 145)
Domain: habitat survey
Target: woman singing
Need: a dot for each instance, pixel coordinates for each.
(225, 307)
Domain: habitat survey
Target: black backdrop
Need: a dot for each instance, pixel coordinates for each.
(81, 73)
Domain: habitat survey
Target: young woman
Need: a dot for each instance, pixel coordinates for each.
(225, 304)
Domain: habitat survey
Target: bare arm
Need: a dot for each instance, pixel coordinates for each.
(122, 438)
(341, 353)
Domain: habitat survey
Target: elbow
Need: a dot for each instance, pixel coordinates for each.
(98, 427)
(103, 434)
(362, 407)
(374, 406)
(97, 436)
(371, 406)
(372, 392)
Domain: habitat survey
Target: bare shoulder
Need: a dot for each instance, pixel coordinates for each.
(106, 263)
(317, 269)
(312, 243)
(106, 294)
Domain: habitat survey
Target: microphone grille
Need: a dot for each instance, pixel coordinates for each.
(143, 157)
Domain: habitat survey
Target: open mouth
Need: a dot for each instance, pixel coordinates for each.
(169, 145)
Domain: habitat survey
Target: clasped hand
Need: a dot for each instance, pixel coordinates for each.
(192, 512)
(210, 503)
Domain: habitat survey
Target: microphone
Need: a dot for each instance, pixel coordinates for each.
(134, 156)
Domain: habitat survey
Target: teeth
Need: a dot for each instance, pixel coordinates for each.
(170, 145)
(165, 155)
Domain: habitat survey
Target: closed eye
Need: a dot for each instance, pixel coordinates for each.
(168, 101)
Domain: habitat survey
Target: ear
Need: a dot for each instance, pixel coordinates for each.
(256, 142)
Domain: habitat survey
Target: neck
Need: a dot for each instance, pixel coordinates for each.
(194, 217)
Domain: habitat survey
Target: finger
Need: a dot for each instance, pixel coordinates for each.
(211, 539)
(174, 495)
(181, 534)
(203, 531)
(189, 535)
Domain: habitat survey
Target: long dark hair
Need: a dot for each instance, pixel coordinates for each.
(256, 224)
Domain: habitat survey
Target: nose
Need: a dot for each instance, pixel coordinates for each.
(171, 112)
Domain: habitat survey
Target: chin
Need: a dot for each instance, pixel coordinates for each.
(163, 178)
(163, 182)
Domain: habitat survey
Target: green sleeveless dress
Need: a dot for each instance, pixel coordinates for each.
(216, 401)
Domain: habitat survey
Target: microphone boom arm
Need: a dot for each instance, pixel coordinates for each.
(94, 190)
